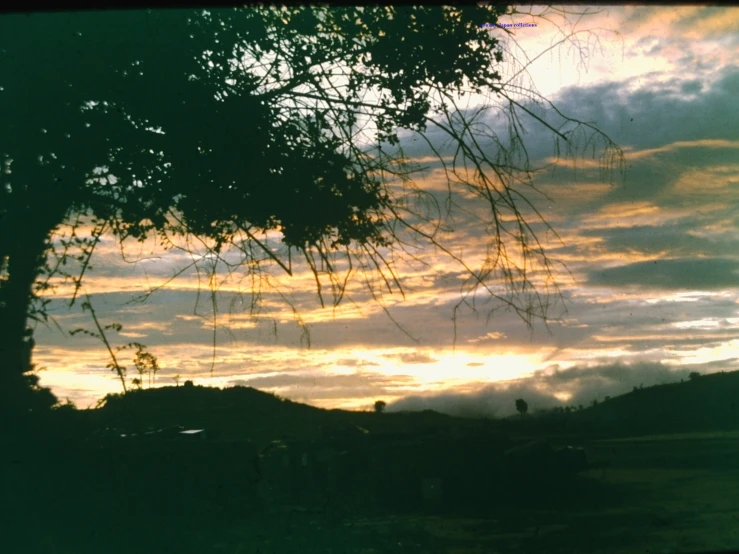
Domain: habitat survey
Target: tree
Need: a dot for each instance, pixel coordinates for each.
(694, 375)
(521, 406)
(146, 363)
(226, 124)
(380, 406)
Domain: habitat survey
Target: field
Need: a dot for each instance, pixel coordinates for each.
(659, 494)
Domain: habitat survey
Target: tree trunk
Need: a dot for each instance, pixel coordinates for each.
(26, 256)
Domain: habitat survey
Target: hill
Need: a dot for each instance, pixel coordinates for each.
(708, 402)
(245, 413)
(705, 403)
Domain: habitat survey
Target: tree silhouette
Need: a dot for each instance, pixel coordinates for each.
(694, 375)
(146, 363)
(226, 124)
(521, 406)
(380, 406)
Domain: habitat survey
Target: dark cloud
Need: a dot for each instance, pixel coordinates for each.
(692, 87)
(685, 274)
(644, 116)
(669, 240)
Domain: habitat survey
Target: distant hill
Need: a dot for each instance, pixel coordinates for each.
(238, 413)
(707, 402)
(704, 403)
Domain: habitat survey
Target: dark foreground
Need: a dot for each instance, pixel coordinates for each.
(656, 494)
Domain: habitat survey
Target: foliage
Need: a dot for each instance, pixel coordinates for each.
(380, 406)
(694, 375)
(521, 406)
(144, 361)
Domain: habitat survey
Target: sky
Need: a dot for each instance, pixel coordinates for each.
(651, 293)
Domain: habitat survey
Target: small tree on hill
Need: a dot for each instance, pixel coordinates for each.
(146, 363)
(694, 375)
(521, 406)
(380, 406)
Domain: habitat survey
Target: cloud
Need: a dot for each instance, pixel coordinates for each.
(676, 240)
(351, 362)
(412, 358)
(317, 388)
(686, 274)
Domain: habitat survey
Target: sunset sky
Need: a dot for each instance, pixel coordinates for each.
(653, 252)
